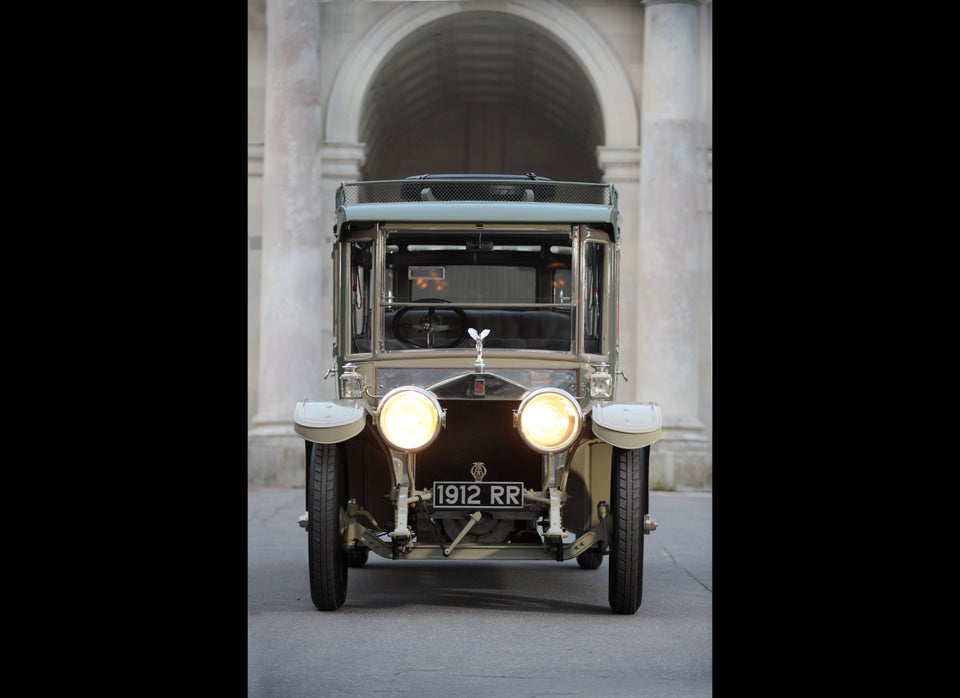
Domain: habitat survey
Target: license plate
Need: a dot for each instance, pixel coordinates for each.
(483, 495)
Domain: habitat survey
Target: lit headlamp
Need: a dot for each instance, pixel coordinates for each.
(409, 418)
(549, 420)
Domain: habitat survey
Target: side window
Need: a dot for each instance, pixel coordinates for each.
(594, 276)
(358, 299)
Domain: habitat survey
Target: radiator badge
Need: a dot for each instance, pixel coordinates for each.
(479, 471)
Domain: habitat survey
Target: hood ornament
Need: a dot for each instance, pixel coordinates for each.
(478, 337)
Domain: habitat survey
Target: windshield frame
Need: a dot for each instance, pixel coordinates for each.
(380, 302)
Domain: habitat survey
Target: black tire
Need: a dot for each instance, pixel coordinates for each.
(590, 559)
(358, 557)
(629, 501)
(409, 332)
(326, 496)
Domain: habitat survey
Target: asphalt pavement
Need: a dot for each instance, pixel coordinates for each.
(474, 629)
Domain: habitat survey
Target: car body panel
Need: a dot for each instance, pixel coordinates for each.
(329, 422)
(627, 425)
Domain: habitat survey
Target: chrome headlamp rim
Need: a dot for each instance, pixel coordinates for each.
(575, 412)
(390, 399)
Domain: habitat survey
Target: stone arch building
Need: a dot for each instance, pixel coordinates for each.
(587, 90)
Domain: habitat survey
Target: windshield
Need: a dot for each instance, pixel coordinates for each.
(437, 285)
(478, 268)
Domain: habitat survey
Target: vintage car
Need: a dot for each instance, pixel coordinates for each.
(475, 341)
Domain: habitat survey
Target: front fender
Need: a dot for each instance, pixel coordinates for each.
(627, 425)
(329, 422)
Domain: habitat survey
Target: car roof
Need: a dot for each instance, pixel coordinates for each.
(477, 199)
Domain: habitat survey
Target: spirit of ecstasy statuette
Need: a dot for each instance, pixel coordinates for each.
(478, 338)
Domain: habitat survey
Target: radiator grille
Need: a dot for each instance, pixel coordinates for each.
(480, 430)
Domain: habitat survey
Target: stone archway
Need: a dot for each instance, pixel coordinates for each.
(602, 68)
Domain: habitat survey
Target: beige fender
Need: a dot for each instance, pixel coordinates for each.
(329, 422)
(627, 425)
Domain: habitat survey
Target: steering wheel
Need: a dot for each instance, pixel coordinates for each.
(435, 329)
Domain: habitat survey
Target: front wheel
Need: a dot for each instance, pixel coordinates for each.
(629, 501)
(326, 497)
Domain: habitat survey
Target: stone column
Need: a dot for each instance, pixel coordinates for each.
(292, 357)
(668, 316)
(621, 167)
(341, 163)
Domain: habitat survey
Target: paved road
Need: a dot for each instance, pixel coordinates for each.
(465, 629)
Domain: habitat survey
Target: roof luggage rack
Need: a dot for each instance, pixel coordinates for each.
(485, 187)
(481, 187)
